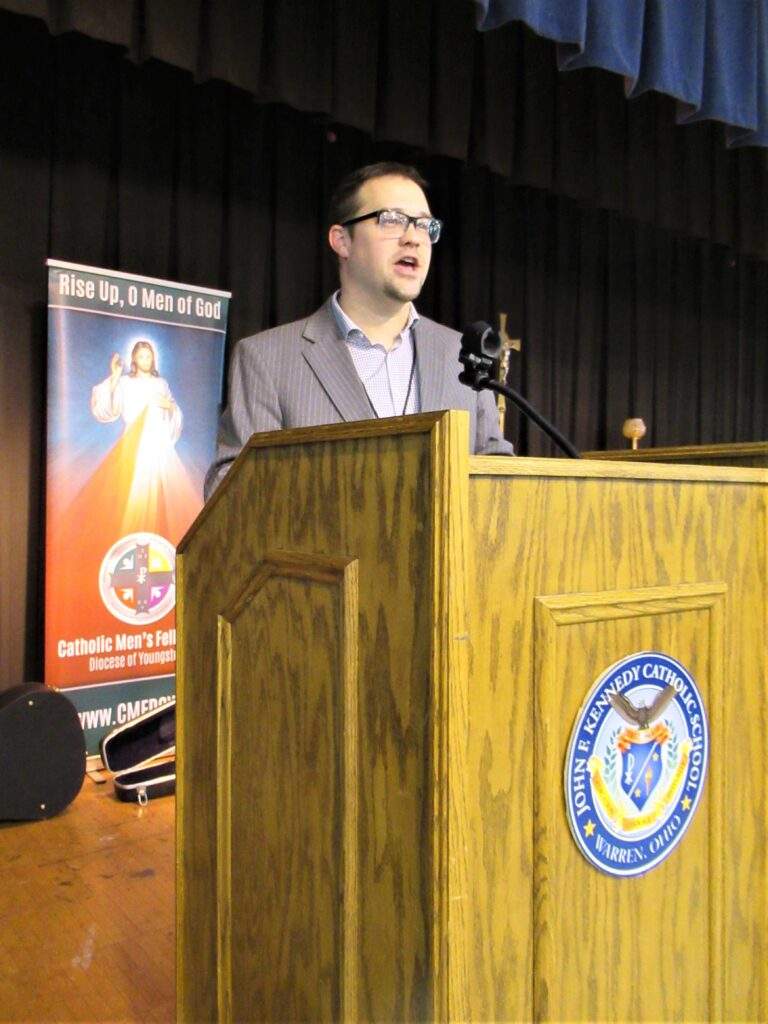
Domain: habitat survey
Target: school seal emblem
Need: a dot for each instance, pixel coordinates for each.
(636, 764)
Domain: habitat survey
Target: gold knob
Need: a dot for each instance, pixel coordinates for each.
(633, 429)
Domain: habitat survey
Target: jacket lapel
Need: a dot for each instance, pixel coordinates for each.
(430, 359)
(332, 364)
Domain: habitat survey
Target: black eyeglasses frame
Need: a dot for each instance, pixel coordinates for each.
(411, 220)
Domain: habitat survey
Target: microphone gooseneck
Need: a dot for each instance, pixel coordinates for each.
(480, 352)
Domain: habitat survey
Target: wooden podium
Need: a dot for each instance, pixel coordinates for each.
(383, 645)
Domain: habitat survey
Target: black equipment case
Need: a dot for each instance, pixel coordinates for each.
(140, 755)
(42, 753)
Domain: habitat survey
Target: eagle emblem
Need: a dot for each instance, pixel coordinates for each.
(640, 715)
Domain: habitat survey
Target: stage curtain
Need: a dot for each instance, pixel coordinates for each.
(417, 72)
(135, 167)
(710, 55)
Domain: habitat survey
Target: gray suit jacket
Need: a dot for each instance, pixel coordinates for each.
(302, 375)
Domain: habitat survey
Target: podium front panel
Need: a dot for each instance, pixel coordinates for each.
(575, 567)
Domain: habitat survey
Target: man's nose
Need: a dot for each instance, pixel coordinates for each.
(410, 236)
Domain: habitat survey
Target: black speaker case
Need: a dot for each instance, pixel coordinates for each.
(140, 755)
(144, 784)
(42, 753)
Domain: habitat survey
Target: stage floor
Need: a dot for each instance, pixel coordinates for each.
(87, 912)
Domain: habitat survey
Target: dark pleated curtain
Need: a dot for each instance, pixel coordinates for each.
(417, 72)
(113, 163)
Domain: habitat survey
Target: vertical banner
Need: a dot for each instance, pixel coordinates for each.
(134, 383)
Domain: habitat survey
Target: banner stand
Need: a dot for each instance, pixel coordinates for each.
(135, 369)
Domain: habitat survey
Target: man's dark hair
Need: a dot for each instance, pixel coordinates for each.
(343, 205)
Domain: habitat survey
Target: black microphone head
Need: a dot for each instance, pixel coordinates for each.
(481, 339)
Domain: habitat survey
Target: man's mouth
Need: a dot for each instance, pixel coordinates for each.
(407, 265)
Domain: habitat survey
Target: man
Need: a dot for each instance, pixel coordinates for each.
(366, 353)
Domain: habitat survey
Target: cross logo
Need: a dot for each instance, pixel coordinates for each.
(137, 580)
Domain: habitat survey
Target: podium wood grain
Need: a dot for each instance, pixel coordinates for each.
(283, 897)
(383, 645)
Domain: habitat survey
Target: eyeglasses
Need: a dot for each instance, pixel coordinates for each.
(395, 223)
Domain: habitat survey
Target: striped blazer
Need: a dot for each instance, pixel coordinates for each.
(301, 375)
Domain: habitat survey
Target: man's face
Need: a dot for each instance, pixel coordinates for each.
(143, 359)
(377, 264)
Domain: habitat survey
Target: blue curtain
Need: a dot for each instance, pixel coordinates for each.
(710, 55)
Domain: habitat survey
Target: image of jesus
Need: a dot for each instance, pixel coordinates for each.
(147, 485)
(142, 388)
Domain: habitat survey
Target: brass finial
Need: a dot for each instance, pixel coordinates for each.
(633, 429)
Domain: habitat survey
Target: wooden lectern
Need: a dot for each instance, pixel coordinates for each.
(383, 645)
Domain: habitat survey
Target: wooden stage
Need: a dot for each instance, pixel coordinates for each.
(87, 912)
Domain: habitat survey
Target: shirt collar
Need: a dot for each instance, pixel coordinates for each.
(347, 326)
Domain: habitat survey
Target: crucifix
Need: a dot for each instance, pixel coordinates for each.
(507, 344)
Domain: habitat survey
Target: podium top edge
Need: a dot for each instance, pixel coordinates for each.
(421, 423)
(603, 469)
(354, 430)
(681, 453)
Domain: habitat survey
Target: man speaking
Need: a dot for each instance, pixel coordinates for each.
(366, 352)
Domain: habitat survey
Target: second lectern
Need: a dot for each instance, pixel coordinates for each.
(384, 644)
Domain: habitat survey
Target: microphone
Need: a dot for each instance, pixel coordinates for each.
(480, 352)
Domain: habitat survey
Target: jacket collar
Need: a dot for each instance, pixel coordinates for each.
(329, 358)
(332, 364)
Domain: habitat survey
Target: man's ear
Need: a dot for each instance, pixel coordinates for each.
(338, 239)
